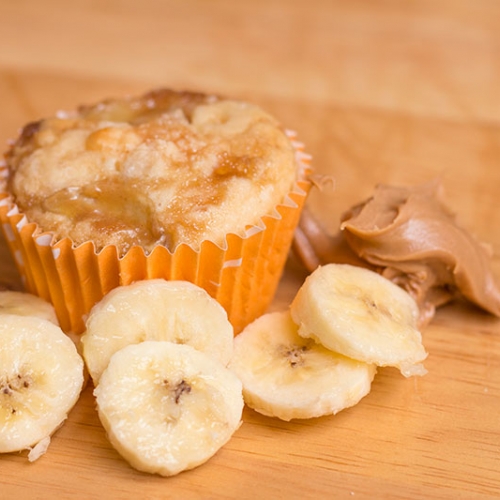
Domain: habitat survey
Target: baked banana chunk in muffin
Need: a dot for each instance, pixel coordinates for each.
(164, 168)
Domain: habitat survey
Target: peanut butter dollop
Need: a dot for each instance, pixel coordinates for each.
(411, 237)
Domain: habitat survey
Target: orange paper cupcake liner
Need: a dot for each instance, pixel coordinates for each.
(241, 275)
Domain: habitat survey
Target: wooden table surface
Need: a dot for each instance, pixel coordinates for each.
(385, 91)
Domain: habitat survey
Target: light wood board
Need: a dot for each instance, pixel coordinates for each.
(384, 91)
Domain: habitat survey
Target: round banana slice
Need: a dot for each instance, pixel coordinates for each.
(41, 377)
(26, 304)
(287, 376)
(361, 314)
(175, 311)
(168, 407)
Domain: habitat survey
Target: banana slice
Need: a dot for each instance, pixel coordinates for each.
(26, 304)
(41, 377)
(167, 407)
(287, 376)
(176, 311)
(362, 315)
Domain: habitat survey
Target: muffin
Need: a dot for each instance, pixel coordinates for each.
(174, 185)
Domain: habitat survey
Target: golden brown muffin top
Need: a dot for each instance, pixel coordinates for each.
(163, 168)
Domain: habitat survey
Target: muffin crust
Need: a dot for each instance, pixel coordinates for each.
(163, 168)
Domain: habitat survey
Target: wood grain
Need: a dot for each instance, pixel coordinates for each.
(384, 91)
